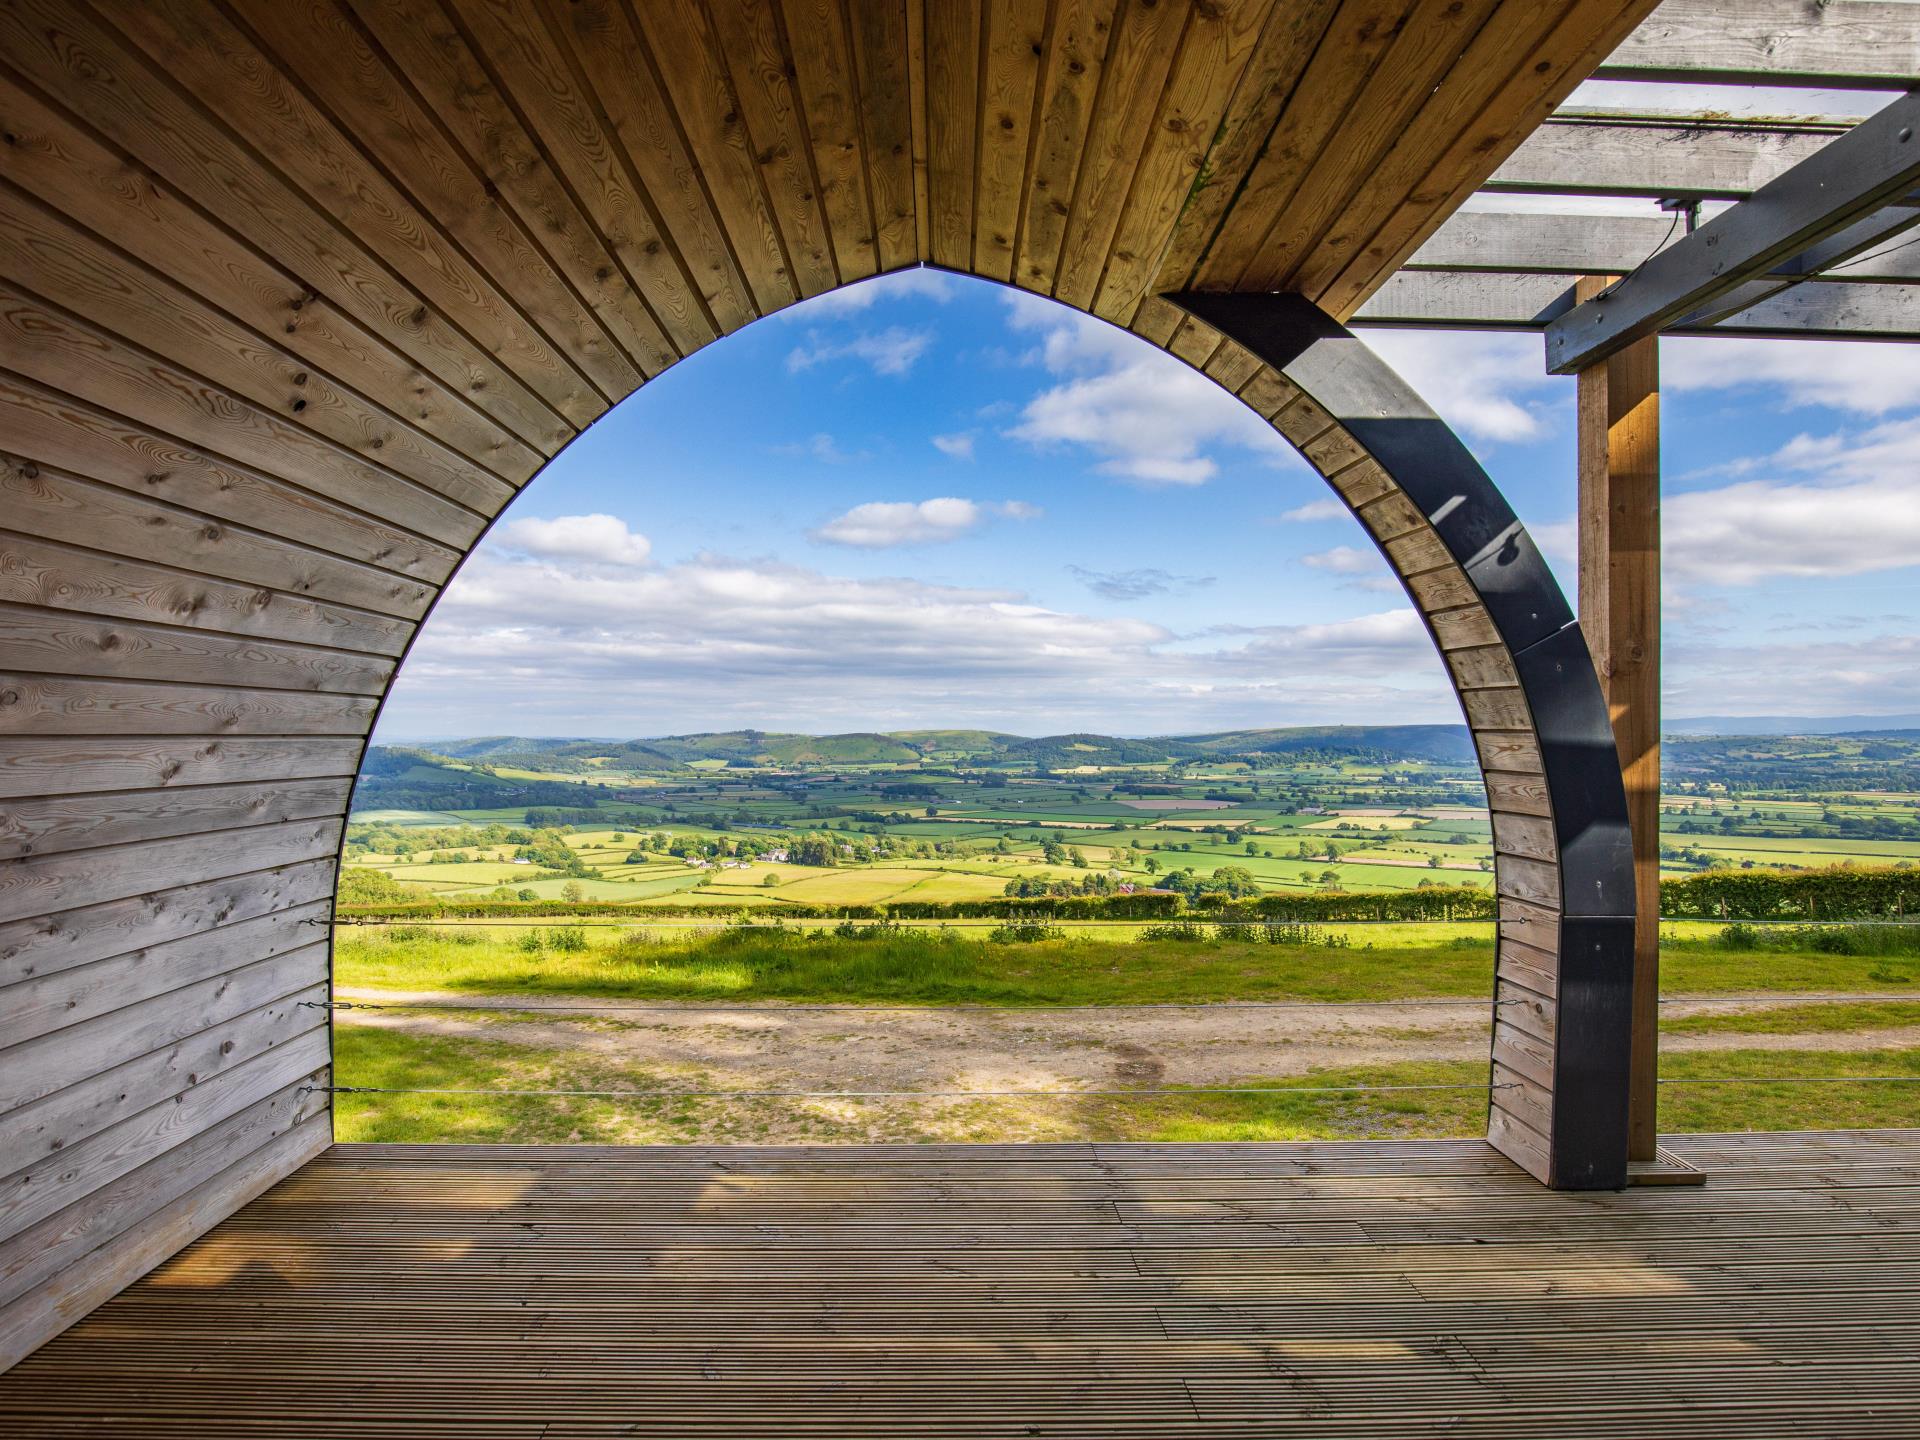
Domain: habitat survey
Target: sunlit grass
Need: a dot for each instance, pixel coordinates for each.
(947, 966)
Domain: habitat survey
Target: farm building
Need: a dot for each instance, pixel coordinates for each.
(299, 294)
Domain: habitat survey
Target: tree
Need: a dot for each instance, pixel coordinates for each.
(770, 881)
(572, 893)
(1151, 865)
(1078, 858)
(1252, 849)
(1433, 862)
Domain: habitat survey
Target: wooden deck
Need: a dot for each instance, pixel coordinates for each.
(1390, 1289)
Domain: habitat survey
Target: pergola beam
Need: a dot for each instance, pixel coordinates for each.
(1520, 243)
(1830, 197)
(1657, 158)
(1828, 44)
(1459, 300)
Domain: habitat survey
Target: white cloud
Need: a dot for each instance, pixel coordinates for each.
(822, 447)
(958, 447)
(1877, 674)
(1858, 511)
(1369, 643)
(880, 524)
(597, 539)
(1150, 418)
(1327, 509)
(1858, 376)
(717, 642)
(1753, 531)
(1557, 539)
(1493, 388)
(1137, 584)
(1345, 560)
(917, 283)
(890, 352)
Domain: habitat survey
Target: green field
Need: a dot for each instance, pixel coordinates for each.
(1115, 965)
(962, 816)
(662, 833)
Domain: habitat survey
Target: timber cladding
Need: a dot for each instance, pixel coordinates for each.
(295, 295)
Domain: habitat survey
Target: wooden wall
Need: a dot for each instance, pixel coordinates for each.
(295, 295)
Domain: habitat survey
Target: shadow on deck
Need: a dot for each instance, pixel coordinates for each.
(1362, 1289)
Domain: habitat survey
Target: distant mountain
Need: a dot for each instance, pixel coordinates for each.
(485, 747)
(1449, 743)
(754, 749)
(1790, 724)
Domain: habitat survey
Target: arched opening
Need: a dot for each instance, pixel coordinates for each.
(1519, 668)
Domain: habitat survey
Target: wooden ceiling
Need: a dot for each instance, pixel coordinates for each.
(531, 206)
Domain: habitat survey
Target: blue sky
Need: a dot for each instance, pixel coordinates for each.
(930, 501)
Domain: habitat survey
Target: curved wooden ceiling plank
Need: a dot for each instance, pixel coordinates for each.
(1349, 49)
(826, 84)
(1544, 77)
(1390, 105)
(43, 641)
(753, 52)
(605, 244)
(1146, 41)
(41, 253)
(1068, 92)
(1219, 43)
(1265, 89)
(92, 705)
(617, 74)
(200, 50)
(53, 428)
(390, 161)
(1017, 38)
(953, 46)
(58, 505)
(882, 61)
(88, 581)
(106, 192)
(70, 357)
(557, 106)
(139, 112)
(708, 114)
(1499, 58)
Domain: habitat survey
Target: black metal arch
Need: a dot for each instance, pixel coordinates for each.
(1564, 976)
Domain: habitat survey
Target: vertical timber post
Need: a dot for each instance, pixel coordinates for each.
(1619, 461)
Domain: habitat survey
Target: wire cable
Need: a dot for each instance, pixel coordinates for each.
(1793, 1080)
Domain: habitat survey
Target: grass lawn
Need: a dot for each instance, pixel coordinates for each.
(1385, 962)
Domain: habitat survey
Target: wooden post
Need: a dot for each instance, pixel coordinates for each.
(1619, 442)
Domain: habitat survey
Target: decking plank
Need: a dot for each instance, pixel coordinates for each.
(1372, 1288)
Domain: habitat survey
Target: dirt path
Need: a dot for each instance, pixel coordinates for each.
(925, 1048)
